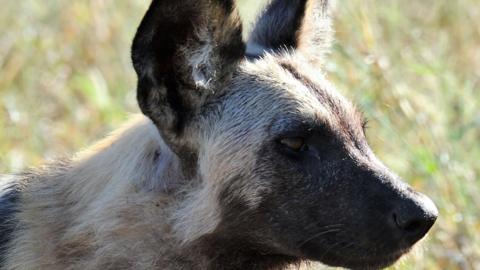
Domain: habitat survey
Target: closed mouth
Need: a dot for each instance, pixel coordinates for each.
(367, 262)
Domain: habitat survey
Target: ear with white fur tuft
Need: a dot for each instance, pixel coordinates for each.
(304, 25)
(182, 52)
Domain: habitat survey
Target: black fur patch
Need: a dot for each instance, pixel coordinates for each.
(278, 25)
(9, 198)
(236, 244)
(228, 5)
(154, 48)
(165, 85)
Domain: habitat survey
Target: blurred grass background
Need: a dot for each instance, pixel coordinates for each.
(412, 66)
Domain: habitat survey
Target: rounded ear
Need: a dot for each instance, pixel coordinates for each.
(276, 27)
(303, 25)
(183, 51)
(315, 35)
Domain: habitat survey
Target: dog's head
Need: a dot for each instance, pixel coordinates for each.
(280, 158)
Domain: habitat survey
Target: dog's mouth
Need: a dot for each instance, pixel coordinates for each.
(362, 262)
(352, 257)
(370, 262)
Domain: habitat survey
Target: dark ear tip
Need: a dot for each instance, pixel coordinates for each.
(299, 24)
(277, 27)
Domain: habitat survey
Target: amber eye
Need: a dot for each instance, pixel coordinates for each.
(294, 143)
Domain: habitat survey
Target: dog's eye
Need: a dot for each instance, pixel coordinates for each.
(294, 143)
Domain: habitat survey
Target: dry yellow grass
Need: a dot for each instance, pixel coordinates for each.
(412, 66)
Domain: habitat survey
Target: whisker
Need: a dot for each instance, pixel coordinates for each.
(313, 224)
(330, 229)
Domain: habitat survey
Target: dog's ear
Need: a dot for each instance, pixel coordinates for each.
(182, 52)
(276, 27)
(304, 25)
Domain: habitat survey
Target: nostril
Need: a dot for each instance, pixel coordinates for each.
(412, 225)
(412, 217)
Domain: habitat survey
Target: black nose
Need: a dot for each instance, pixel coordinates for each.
(413, 217)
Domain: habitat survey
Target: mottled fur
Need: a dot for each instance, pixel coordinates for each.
(204, 179)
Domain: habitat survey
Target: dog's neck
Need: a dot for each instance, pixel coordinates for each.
(230, 253)
(188, 238)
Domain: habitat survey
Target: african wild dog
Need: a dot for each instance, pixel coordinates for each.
(248, 159)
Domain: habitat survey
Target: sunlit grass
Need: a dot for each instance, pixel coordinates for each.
(413, 67)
